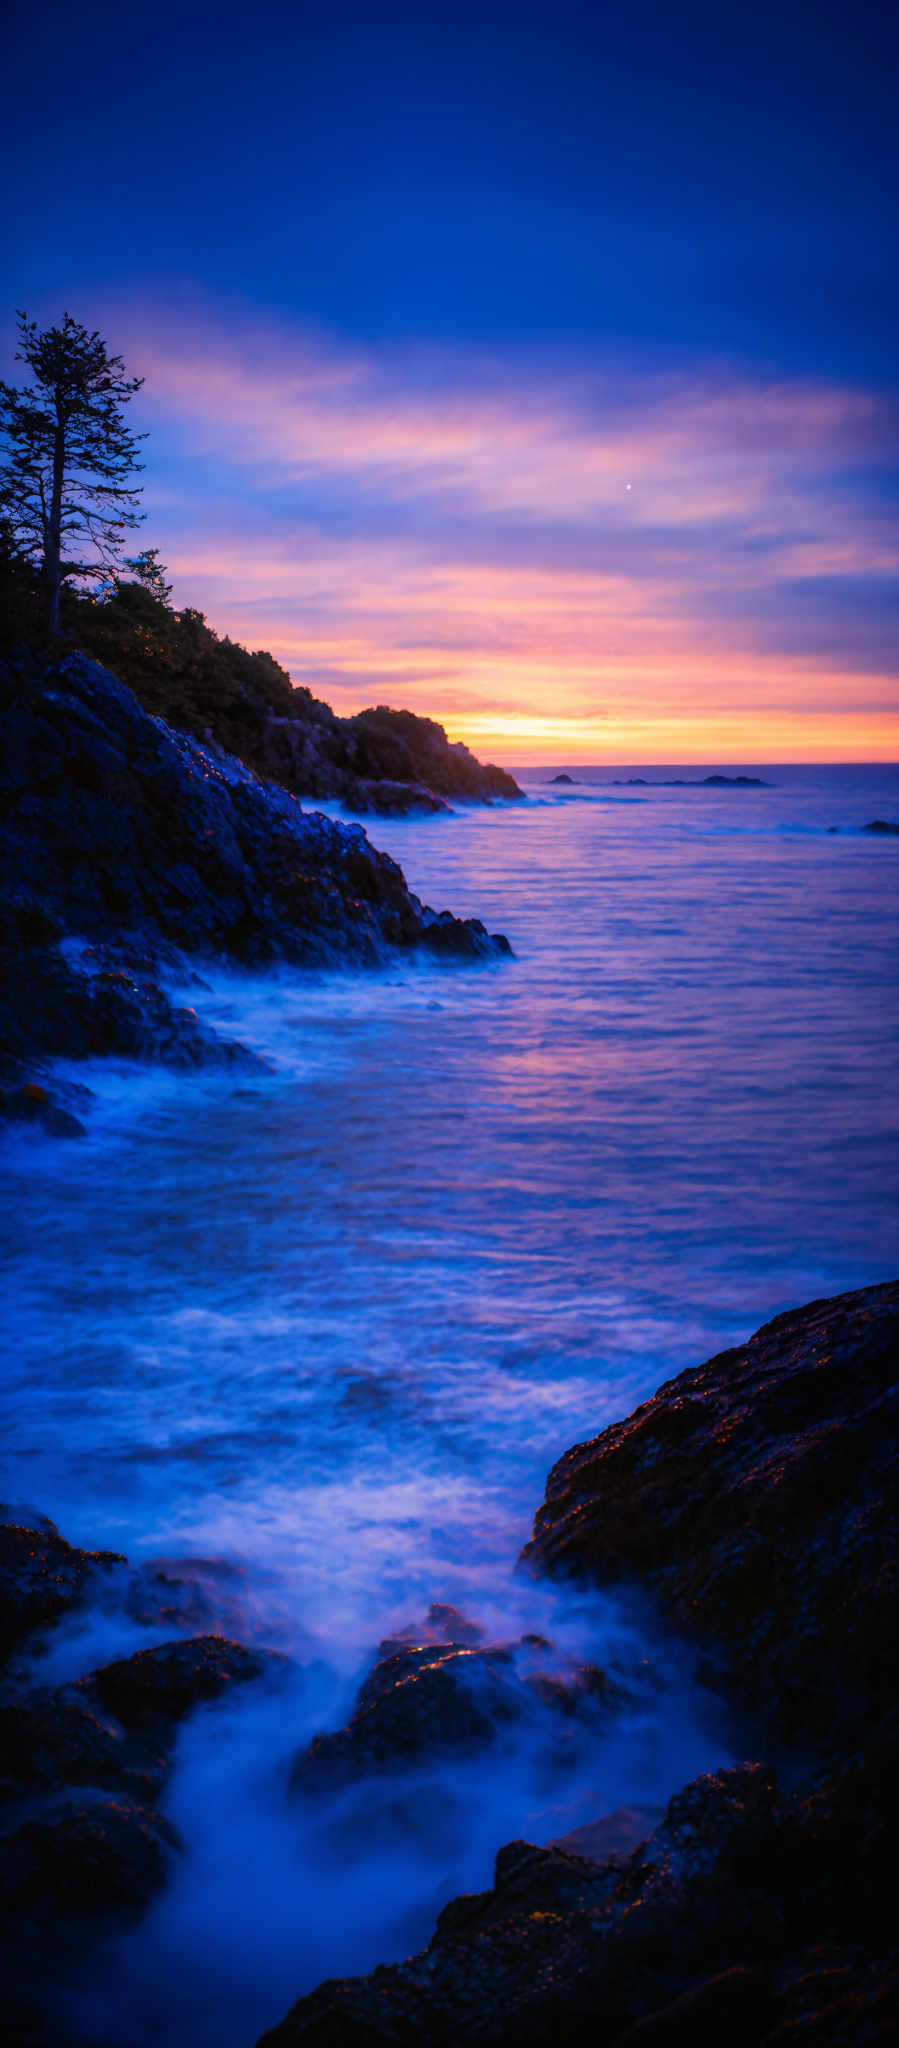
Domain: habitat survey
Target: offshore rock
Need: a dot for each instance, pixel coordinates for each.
(755, 1496)
(391, 799)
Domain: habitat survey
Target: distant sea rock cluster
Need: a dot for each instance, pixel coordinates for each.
(701, 782)
(129, 852)
(754, 1499)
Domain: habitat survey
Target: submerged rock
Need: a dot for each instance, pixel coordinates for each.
(755, 1496)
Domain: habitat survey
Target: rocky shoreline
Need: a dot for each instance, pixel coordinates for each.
(754, 1498)
(130, 855)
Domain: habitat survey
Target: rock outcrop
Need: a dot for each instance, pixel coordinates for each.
(181, 670)
(430, 1700)
(144, 847)
(750, 1915)
(84, 1765)
(755, 1497)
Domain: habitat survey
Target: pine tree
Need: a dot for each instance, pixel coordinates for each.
(147, 570)
(64, 489)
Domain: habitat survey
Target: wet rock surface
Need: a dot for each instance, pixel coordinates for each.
(84, 1765)
(144, 846)
(425, 1700)
(755, 1496)
(43, 1577)
(750, 1914)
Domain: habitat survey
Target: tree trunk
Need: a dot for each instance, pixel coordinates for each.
(53, 547)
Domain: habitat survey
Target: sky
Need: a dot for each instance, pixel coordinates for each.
(533, 367)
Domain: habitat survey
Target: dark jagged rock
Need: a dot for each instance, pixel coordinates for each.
(33, 1105)
(52, 1006)
(424, 1700)
(43, 1577)
(562, 778)
(756, 1497)
(142, 846)
(78, 1859)
(749, 1914)
(442, 1624)
(460, 938)
(882, 825)
(114, 823)
(166, 1682)
(83, 1767)
(180, 670)
(390, 799)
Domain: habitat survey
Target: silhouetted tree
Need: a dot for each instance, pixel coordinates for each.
(147, 569)
(64, 488)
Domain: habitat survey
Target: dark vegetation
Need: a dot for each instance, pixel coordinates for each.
(67, 502)
(219, 692)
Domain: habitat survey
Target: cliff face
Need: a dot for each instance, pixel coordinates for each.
(124, 834)
(380, 760)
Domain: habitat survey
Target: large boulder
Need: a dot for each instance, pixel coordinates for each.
(755, 1498)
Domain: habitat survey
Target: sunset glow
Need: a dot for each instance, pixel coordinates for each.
(555, 560)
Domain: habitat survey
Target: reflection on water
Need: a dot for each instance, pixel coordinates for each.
(341, 1320)
(335, 1323)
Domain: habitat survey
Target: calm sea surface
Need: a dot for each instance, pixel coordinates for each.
(335, 1324)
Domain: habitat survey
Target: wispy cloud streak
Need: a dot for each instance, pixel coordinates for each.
(549, 556)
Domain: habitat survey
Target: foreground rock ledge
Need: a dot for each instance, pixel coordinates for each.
(756, 1497)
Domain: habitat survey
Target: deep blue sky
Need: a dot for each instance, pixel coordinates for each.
(532, 367)
(703, 178)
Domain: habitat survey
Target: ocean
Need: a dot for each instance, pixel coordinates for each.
(334, 1324)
